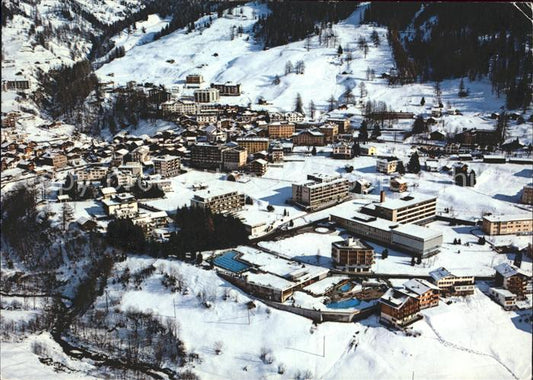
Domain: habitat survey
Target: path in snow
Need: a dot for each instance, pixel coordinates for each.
(461, 348)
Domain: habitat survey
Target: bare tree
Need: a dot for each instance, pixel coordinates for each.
(67, 215)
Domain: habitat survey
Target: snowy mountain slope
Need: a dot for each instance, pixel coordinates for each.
(212, 53)
(46, 34)
(378, 353)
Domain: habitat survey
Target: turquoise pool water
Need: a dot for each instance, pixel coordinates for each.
(346, 304)
(346, 287)
(227, 261)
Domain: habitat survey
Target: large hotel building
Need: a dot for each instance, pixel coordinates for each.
(352, 255)
(218, 202)
(280, 130)
(319, 191)
(167, 166)
(253, 144)
(418, 209)
(507, 224)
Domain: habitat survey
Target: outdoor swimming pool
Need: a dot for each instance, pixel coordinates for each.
(346, 304)
(227, 261)
(346, 287)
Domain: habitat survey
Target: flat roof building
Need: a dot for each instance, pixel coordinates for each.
(166, 166)
(218, 201)
(408, 209)
(413, 239)
(507, 224)
(352, 255)
(208, 95)
(450, 284)
(321, 191)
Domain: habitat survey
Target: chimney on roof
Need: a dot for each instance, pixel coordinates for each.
(382, 196)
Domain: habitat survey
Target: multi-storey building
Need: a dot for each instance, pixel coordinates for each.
(276, 153)
(135, 168)
(180, 107)
(208, 95)
(16, 84)
(330, 131)
(452, 285)
(387, 165)
(411, 238)
(194, 79)
(527, 195)
(309, 137)
(343, 124)
(207, 156)
(234, 158)
(426, 292)
(507, 224)
(399, 307)
(279, 130)
(218, 201)
(57, 160)
(227, 89)
(410, 209)
(91, 173)
(167, 166)
(513, 279)
(140, 154)
(122, 205)
(258, 167)
(294, 117)
(352, 255)
(313, 194)
(504, 297)
(342, 150)
(253, 144)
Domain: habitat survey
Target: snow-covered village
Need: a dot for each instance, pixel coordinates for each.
(266, 190)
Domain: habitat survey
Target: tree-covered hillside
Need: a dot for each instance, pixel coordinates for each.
(452, 40)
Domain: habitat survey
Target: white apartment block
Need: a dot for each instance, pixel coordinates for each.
(167, 166)
(218, 201)
(317, 192)
(208, 95)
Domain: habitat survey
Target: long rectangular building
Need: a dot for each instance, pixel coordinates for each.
(409, 209)
(507, 224)
(314, 194)
(253, 144)
(413, 239)
(207, 156)
(218, 201)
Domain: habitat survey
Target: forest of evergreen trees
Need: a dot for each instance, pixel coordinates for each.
(200, 230)
(465, 40)
(184, 12)
(67, 87)
(293, 21)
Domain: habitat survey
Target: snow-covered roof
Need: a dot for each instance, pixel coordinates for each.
(261, 161)
(411, 200)
(508, 270)
(108, 190)
(440, 273)
(268, 280)
(507, 217)
(504, 292)
(396, 297)
(417, 231)
(419, 286)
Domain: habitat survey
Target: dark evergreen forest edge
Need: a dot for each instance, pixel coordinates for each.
(436, 41)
